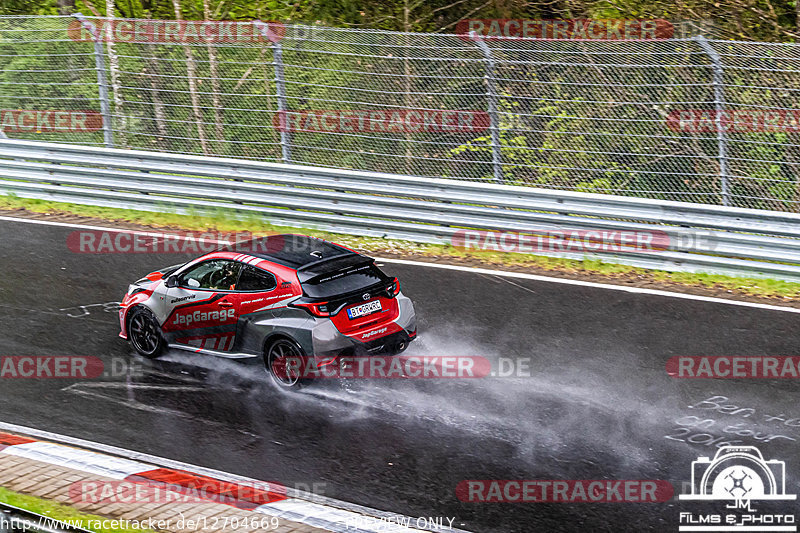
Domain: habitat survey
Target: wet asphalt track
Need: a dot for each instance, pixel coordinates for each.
(598, 404)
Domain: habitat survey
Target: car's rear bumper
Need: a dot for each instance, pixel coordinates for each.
(387, 338)
(386, 345)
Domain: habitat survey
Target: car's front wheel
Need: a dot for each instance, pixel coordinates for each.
(285, 363)
(145, 333)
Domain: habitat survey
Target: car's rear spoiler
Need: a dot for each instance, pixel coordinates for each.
(339, 265)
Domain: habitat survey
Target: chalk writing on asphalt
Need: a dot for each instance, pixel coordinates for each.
(717, 421)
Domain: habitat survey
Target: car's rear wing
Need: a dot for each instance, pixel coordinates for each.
(332, 267)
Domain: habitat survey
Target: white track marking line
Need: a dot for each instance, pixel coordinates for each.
(504, 273)
(316, 515)
(197, 235)
(85, 461)
(594, 284)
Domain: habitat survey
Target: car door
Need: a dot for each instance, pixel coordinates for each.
(202, 310)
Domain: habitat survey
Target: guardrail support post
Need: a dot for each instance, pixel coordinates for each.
(719, 107)
(102, 83)
(494, 121)
(280, 89)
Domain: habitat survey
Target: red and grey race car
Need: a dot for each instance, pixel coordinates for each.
(273, 298)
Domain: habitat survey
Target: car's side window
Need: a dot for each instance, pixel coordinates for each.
(255, 279)
(217, 274)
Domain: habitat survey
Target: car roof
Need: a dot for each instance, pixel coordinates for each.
(290, 249)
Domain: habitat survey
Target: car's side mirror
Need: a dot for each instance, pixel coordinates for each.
(172, 281)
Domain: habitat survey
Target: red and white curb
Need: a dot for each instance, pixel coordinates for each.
(257, 496)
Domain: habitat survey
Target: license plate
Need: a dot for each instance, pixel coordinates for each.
(364, 309)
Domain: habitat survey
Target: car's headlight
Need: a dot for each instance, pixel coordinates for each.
(135, 289)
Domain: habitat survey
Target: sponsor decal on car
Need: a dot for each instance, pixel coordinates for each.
(199, 316)
(373, 333)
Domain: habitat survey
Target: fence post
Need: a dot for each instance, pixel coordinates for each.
(491, 95)
(280, 88)
(102, 84)
(719, 106)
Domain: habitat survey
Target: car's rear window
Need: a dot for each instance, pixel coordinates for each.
(338, 283)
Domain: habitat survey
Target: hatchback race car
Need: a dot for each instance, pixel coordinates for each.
(270, 299)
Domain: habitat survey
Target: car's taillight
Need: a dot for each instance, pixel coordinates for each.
(394, 288)
(319, 309)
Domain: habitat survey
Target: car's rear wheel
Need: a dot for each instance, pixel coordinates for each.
(285, 363)
(145, 333)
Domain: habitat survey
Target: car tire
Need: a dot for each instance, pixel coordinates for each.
(145, 334)
(277, 353)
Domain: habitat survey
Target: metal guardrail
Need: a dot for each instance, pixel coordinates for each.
(685, 119)
(702, 237)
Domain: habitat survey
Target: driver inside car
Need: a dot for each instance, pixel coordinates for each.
(225, 278)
